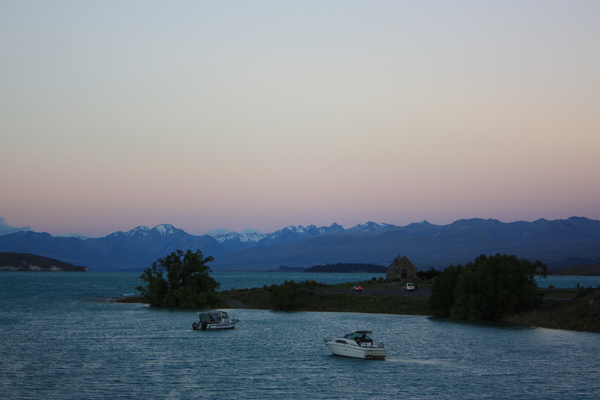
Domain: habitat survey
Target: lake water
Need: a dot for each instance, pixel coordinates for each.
(61, 339)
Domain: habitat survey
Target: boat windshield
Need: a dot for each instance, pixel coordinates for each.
(215, 316)
(210, 317)
(359, 337)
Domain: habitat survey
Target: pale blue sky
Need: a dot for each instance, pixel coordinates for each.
(263, 114)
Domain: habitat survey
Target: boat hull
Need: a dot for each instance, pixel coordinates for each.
(210, 327)
(213, 326)
(344, 350)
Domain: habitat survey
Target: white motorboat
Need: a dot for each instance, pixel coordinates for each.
(357, 345)
(214, 320)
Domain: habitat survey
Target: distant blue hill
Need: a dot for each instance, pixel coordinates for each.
(558, 243)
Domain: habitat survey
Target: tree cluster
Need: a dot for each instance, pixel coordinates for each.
(179, 280)
(288, 296)
(488, 288)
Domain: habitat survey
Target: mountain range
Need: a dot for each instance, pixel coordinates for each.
(557, 243)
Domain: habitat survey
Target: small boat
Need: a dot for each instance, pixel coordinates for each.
(357, 345)
(214, 320)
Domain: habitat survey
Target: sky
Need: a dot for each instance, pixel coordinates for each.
(263, 114)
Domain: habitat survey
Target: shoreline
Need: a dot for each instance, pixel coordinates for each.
(566, 309)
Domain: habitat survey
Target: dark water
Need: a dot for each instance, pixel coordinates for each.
(61, 340)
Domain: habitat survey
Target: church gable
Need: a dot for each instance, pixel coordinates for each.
(401, 269)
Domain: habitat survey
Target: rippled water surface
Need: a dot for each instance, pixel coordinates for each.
(62, 340)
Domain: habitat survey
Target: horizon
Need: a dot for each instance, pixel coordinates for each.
(261, 115)
(7, 229)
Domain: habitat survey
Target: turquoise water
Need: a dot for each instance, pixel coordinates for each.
(61, 339)
(568, 282)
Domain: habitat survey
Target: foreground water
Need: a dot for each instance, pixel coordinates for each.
(61, 339)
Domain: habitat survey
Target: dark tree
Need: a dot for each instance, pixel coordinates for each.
(488, 288)
(442, 291)
(179, 280)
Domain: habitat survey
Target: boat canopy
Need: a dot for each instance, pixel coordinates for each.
(360, 336)
(212, 316)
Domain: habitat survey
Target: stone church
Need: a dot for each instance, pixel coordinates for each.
(401, 270)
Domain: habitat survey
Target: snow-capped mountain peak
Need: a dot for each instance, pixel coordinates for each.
(299, 228)
(370, 226)
(143, 231)
(248, 237)
(139, 230)
(165, 229)
(135, 232)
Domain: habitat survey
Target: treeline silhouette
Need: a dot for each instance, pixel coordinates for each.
(349, 267)
(429, 274)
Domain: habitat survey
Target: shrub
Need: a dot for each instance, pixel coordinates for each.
(288, 296)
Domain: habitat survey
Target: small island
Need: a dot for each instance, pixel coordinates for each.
(31, 262)
(349, 268)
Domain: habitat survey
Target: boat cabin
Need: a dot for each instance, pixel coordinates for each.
(359, 337)
(212, 316)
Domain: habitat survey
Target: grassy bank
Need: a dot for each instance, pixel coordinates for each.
(335, 302)
(574, 310)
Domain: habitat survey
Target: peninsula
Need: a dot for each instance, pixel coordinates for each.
(31, 262)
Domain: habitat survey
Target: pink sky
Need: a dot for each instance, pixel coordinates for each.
(265, 114)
